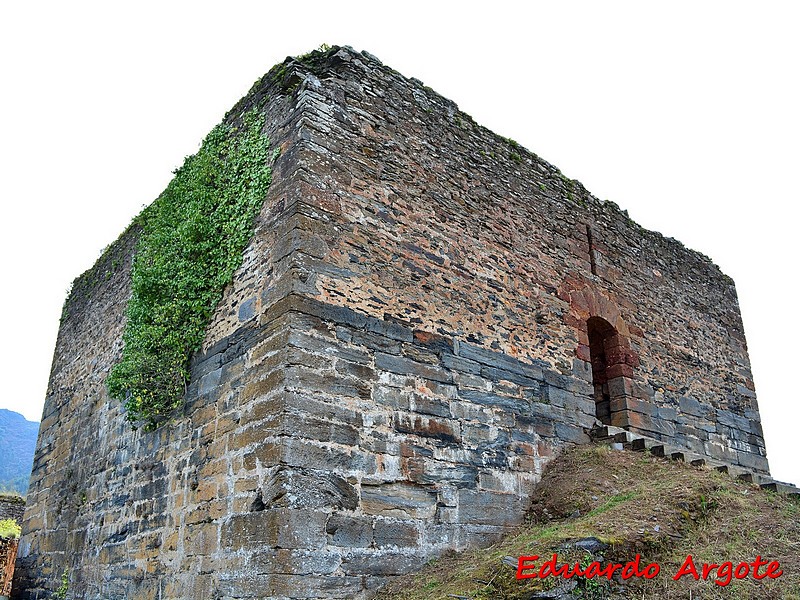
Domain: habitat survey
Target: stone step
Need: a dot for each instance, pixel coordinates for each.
(599, 433)
(665, 451)
(620, 438)
(638, 445)
(780, 487)
(688, 457)
(624, 437)
(749, 477)
(606, 432)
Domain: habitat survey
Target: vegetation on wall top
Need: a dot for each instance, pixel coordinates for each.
(9, 528)
(191, 244)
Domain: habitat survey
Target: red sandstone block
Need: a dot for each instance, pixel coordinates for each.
(635, 331)
(616, 341)
(579, 324)
(620, 419)
(619, 371)
(616, 355)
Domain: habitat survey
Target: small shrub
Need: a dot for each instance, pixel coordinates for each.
(9, 529)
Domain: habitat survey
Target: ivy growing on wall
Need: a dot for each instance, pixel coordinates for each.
(191, 243)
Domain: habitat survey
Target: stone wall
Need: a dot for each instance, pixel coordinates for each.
(12, 507)
(8, 553)
(403, 349)
(427, 218)
(127, 513)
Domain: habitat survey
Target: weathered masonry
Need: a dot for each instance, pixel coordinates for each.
(11, 508)
(425, 315)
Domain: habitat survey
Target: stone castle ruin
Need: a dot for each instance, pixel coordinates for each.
(425, 315)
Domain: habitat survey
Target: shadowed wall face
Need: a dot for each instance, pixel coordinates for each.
(420, 323)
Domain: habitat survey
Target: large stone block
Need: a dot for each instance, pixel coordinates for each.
(400, 500)
(279, 527)
(510, 403)
(349, 531)
(442, 430)
(382, 563)
(391, 533)
(293, 562)
(570, 433)
(490, 508)
(691, 406)
(406, 366)
(201, 538)
(241, 585)
(499, 360)
(756, 462)
(307, 488)
(298, 452)
(464, 473)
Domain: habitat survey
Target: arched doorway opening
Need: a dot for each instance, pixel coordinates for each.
(609, 352)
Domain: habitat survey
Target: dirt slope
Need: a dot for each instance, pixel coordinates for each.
(631, 503)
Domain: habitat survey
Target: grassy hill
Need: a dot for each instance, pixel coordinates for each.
(597, 504)
(17, 445)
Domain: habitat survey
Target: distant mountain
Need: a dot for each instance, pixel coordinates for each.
(17, 445)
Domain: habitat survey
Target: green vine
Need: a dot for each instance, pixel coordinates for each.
(61, 592)
(190, 245)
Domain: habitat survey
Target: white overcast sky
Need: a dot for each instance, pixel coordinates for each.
(683, 113)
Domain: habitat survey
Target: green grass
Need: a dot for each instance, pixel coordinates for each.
(637, 504)
(611, 503)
